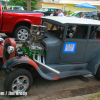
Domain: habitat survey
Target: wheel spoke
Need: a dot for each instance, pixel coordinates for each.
(18, 80)
(25, 37)
(22, 80)
(25, 85)
(19, 34)
(18, 88)
(22, 37)
(14, 85)
(26, 33)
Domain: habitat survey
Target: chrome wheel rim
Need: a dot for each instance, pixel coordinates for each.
(23, 34)
(20, 84)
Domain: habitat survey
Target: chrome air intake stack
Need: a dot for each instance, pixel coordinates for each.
(35, 46)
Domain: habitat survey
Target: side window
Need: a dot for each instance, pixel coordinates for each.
(54, 29)
(78, 14)
(87, 14)
(49, 10)
(77, 31)
(52, 10)
(95, 32)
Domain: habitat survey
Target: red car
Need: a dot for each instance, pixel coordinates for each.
(17, 23)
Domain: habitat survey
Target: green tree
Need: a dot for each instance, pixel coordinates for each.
(3, 2)
(23, 3)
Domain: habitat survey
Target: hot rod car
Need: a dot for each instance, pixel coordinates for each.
(70, 50)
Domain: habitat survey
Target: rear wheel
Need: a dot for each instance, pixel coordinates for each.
(19, 80)
(97, 75)
(21, 33)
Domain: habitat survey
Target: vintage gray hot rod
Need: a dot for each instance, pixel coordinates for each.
(70, 49)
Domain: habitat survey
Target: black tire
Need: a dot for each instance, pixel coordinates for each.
(21, 28)
(97, 75)
(11, 77)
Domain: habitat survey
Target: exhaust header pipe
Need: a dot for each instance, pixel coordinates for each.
(51, 69)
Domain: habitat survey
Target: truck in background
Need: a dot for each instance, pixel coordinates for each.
(17, 24)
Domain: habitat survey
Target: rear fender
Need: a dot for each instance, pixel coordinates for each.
(94, 64)
(20, 20)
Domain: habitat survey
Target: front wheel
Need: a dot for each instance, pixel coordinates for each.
(19, 80)
(21, 33)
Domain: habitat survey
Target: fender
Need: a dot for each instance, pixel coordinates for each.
(18, 60)
(94, 64)
(11, 63)
(12, 43)
(20, 20)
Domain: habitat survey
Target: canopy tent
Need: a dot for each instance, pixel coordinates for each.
(86, 5)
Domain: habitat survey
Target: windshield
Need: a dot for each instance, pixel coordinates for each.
(77, 14)
(43, 9)
(17, 8)
(46, 9)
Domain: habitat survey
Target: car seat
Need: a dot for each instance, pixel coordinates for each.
(93, 36)
(79, 33)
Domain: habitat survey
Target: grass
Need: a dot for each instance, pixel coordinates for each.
(98, 95)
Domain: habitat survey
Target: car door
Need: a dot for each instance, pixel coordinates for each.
(93, 47)
(74, 48)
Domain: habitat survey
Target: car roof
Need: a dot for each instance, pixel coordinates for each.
(53, 7)
(16, 6)
(72, 20)
(81, 11)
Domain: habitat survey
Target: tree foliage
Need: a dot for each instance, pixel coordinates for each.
(23, 3)
(3, 2)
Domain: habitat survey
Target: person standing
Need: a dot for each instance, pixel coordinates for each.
(83, 15)
(97, 17)
(5, 8)
(55, 14)
(60, 13)
(52, 14)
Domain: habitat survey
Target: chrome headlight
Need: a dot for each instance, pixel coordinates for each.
(10, 49)
(34, 28)
(1, 39)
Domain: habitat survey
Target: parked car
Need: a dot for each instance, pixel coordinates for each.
(88, 14)
(47, 11)
(16, 8)
(17, 23)
(71, 50)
